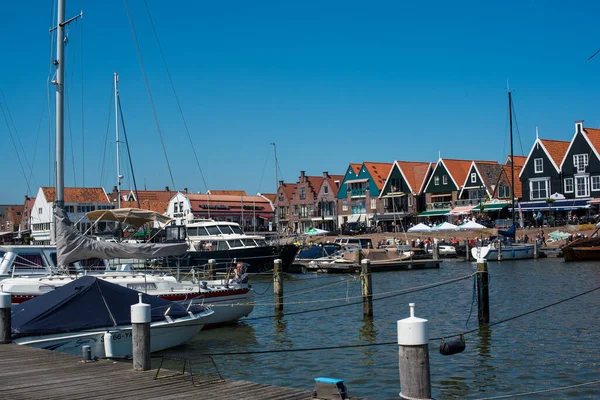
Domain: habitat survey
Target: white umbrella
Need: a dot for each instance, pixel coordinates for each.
(419, 228)
(471, 226)
(315, 232)
(445, 227)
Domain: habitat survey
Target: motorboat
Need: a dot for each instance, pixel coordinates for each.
(309, 253)
(93, 312)
(444, 251)
(508, 250)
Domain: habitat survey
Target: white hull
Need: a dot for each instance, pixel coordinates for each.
(518, 252)
(116, 341)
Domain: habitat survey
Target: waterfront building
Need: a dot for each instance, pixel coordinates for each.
(10, 221)
(478, 187)
(402, 194)
(287, 221)
(154, 200)
(358, 196)
(78, 201)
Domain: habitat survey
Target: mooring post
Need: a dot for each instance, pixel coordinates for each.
(436, 251)
(499, 250)
(140, 335)
(211, 269)
(5, 318)
(467, 248)
(535, 250)
(483, 296)
(413, 357)
(367, 288)
(278, 285)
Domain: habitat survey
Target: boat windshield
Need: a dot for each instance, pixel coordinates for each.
(235, 243)
(199, 231)
(249, 243)
(261, 242)
(226, 229)
(237, 230)
(213, 230)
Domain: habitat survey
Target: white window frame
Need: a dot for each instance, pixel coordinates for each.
(410, 201)
(436, 180)
(580, 160)
(569, 182)
(373, 203)
(595, 183)
(473, 177)
(547, 184)
(586, 185)
(344, 206)
(445, 179)
(539, 170)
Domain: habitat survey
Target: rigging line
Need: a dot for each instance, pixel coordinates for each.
(12, 139)
(14, 126)
(48, 85)
(35, 147)
(80, 27)
(128, 151)
(555, 389)
(517, 126)
(147, 83)
(263, 174)
(106, 135)
(164, 59)
(66, 88)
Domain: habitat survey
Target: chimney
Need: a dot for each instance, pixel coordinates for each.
(185, 190)
(579, 126)
(302, 175)
(167, 189)
(325, 174)
(280, 183)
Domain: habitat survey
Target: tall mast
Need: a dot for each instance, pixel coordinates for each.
(512, 158)
(59, 82)
(276, 185)
(117, 139)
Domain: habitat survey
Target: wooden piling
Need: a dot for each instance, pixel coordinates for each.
(499, 250)
(5, 318)
(278, 285)
(140, 335)
(413, 357)
(483, 297)
(535, 250)
(436, 251)
(367, 289)
(211, 269)
(468, 250)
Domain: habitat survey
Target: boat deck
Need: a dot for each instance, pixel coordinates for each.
(29, 373)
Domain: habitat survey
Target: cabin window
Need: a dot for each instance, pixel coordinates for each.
(221, 245)
(192, 231)
(580, 161)
(436, 181)
(445, 179)
(235, 243)
(473, 177)
(226, 229)
(213, 230)
(28, 262)
(569, 185)
(582, 186)
(538, 165)
(249, 243)
(236, 229)
(539, 189)
(595, 183)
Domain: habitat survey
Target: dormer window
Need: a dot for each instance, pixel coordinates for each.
(538, 165)
(473, 177)
(580, 161)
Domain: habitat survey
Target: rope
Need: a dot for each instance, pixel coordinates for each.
(261, 294)
(508, 396)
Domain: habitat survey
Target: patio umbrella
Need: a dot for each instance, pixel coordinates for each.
(315, 232)
(445, 227)
(471, 226)
(419, 228)
(558, 235)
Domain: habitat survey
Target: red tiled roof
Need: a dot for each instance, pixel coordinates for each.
(228, 192)
(289, 189)
(334, 187)
(152, 205)
(154, 195)
(355, 168)
(78, 195)
(415, 173)
(379, 172)
(234, 203)
(271, 196)
(556, 149)
(460, 168)
(518, 189)
(594, 137)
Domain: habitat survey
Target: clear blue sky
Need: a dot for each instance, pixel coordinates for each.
(329, 82)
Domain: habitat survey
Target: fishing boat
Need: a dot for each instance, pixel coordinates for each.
(505, 248)
(94, 312)
(583, 249)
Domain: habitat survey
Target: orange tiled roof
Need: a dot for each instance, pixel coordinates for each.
(379, 172)
(594, 137)
(233, 202)
(334, 187)
(315, 182)
(519, 162)
(271, 196)
(289, 189)
(460, 168)
(228, 192)
(355, 168)
(556, 149)
(152, 205)
(78, 195)
(154, 195)
(415, 173)
(518, 189)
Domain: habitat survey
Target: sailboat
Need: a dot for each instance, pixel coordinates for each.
(505, 247)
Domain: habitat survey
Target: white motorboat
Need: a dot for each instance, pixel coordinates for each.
(93, 312)
(444, 251)
(509, 251)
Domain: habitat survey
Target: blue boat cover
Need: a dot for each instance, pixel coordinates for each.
(86, 303)
(313, 252)
(510, 232)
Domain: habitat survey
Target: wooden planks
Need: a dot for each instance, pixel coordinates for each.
(28, 373)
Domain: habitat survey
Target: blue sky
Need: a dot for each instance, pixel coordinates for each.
(329, 82)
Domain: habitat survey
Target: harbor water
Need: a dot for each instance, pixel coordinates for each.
(552, 348)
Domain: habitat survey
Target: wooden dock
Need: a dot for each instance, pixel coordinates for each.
(377, 266)
(29, 373)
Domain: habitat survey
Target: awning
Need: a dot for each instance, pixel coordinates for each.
(491, 207)
(394, 194)
(594, 201)
(461, 210)
(265, 216)
(560, 205)
(432, 213)
(391, 216)
(357, 180)
(322, 219)
(354, 218)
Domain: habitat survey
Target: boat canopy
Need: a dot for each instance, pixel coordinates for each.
(85, 303)
(132, 216)
(72, 246)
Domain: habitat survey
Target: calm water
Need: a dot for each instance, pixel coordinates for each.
(552, 348)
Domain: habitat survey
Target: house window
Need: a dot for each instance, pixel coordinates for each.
(40, 210)
(303, 211)
(539, 189)
(436, 180)
(538, 165)
(445, 179)
(176, 207)
(280, 196)
(295, 209)
(473, 177)
(326, 189)
(580, 161)
(344, 206)
(569, 185)
(373, 203)
(302, 193)
(582, 186)
(506, 192)
(596, 183)
(410, 201)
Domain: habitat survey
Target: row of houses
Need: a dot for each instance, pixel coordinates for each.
(557, 177)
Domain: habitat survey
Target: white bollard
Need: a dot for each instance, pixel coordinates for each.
(413, 357)
(141, 317)
(5, 318)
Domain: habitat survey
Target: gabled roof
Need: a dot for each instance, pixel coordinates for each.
(153, 195)
(77, 195)
(519, 161)
(355, 168)
(331, 181)
(271, 196)
(457, 169)
(289, 189)
(591, 135)
(554, 149)
(488, 173)
(227, 192)
(517, 191)
(414, 173)
(379, 172)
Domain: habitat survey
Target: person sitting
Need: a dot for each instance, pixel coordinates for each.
(239, 273)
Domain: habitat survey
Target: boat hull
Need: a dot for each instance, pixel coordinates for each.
(523, 252)
(581, 253)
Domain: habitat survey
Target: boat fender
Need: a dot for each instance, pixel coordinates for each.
(204, 285)
(453, 346)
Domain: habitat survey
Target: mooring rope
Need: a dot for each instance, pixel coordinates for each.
(556, 389)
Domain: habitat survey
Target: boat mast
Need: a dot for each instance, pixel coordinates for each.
(119, 177)
(512, 158)
(59, 82)
(276, 187)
